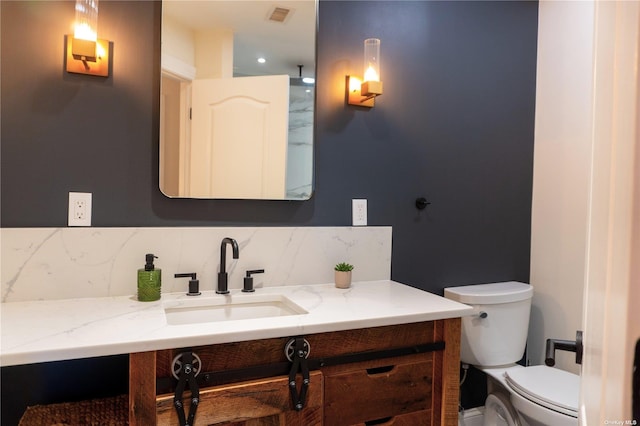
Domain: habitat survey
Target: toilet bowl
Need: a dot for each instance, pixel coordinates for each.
(493, 340)
(539, 395)
(498, 411)
(471, 417)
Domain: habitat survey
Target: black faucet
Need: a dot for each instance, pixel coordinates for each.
(222, 275)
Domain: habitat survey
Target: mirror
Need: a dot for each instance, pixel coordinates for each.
(231, 126)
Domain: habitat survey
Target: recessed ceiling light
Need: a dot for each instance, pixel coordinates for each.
(262, 60)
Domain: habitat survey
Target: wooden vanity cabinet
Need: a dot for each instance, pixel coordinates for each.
(379, 375)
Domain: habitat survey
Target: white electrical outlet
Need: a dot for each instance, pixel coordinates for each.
(359, 211)
(79, 209)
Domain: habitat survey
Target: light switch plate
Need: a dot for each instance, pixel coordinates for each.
(79, 209)
(359, 211)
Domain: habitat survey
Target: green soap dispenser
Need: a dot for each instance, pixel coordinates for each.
(149, 281)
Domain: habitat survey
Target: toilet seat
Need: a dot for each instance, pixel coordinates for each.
(498, 411)
(549, 387)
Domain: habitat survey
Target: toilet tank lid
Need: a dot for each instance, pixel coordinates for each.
(488, 294)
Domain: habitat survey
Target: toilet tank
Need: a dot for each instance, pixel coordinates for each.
(497, 332)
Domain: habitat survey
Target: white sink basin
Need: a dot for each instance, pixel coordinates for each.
(229, 308)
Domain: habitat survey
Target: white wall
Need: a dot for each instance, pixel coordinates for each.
(178, 41)
(214, 54)
(561, 174)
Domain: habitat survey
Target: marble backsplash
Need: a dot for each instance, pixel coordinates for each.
(63, 263)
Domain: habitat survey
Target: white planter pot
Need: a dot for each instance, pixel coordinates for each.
(343, 279)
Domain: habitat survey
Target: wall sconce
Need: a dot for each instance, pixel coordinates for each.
(363, 93)
(86, 54)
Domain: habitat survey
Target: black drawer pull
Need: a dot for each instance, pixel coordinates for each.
(378, 421)
(379, 370)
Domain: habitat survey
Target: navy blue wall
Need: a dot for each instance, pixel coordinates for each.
(455, 125)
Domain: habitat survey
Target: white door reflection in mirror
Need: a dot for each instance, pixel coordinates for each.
(239, 137)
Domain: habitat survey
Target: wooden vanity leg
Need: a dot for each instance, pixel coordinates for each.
(451, 372)
(142, 389)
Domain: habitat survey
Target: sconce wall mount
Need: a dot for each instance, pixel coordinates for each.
(362, 94)
(87, 57)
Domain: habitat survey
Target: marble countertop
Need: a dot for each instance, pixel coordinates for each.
(41, 331)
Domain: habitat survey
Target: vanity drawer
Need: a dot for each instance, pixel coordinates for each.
(378, 391)
(255, 402)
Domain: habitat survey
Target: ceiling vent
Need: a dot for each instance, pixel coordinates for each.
(279, 14)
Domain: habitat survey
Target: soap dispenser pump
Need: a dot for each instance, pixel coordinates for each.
(149, 280)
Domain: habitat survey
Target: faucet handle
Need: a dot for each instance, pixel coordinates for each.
(248, 280)
(194, 284)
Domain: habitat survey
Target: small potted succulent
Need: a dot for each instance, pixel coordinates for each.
(343, 275)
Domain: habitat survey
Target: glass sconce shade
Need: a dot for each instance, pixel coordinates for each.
(363, 93)
(86, 25)
(85, 52)
(372, 59)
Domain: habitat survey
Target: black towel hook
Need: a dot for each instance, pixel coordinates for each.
(422, 203)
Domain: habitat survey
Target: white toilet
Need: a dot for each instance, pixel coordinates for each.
(493, 340)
